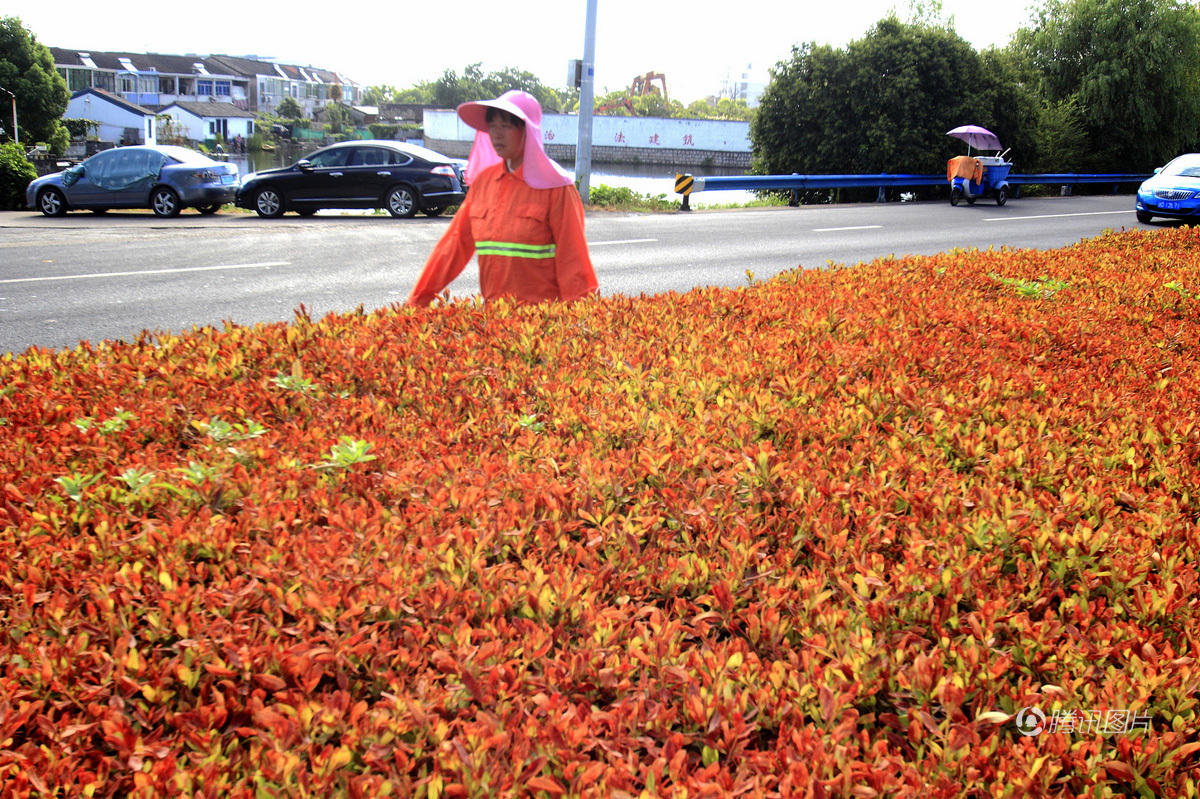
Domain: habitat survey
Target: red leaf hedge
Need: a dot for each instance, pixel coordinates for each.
(822, 536)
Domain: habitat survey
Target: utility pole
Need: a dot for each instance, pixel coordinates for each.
(583, 147)
(16, 132)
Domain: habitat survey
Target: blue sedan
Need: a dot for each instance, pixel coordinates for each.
(165, 179)
(1173, 192)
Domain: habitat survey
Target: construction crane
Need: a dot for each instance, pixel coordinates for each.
(644, 84)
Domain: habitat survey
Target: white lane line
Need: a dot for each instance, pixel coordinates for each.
(1052, 216)
(621, 241)
(263, 265)
(836, 229)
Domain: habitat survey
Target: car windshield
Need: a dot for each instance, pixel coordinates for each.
(1184, 167)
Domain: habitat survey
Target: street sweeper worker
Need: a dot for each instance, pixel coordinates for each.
(522, 217)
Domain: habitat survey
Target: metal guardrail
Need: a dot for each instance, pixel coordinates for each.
(882, 181)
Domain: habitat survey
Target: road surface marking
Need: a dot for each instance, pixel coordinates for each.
(621, 241)
(836, 229)
(263, 265)
(1053, 216)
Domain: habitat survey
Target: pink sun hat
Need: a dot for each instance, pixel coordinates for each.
(539, 170)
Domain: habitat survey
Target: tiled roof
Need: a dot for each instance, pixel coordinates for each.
(212, 110)
(245, 66)
(218, 65)
(143, 62)
(120, 102)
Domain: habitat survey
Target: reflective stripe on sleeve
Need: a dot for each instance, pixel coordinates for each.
(514, 250)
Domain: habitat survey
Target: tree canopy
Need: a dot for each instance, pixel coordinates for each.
(1124, 73)
(451, 89)
(1091, 86)
(27, 70)
(884, 103)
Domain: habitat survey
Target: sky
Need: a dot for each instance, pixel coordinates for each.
(696, 44)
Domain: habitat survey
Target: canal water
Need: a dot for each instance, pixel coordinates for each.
(642, 179)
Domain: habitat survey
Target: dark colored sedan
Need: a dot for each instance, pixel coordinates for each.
(403, 178)
(166, 179)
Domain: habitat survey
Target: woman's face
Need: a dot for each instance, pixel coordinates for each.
(508, 139)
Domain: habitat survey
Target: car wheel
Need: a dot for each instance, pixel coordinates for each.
(955, 195)
(51, 202)
(1001, 196)
(268, 203)
(971, 199)
(209, 210)
(435, 210)
(401, 202)
(165, 202)
(99, 211)
(1144, 217)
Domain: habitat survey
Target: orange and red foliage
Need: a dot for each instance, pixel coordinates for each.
(822, 536)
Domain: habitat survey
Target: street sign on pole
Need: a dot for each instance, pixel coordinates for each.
(583, 148)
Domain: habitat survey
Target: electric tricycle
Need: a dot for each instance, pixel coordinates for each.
(974, 176)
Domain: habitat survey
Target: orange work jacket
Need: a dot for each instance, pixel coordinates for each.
(529, 242)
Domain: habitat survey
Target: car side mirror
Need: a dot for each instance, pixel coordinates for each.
(71, 175)
(304, 165)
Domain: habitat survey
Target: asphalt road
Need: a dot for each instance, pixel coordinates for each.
(93, 277)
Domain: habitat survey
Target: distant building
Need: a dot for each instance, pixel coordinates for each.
(119, 120)
(745, 85)
(155, 81)
(202, 121)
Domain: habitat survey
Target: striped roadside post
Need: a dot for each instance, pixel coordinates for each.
(683, 185)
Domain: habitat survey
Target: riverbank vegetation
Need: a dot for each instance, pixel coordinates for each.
(922, 527)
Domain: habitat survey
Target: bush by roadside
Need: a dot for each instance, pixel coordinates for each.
(920, 527)
(15, 175)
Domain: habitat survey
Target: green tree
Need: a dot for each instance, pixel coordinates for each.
(801, 118)
(27, 70)
(1124, 71)
(908, 85)
(884, 103)
(337, 116)
(288, 108)
(451, 89)
(421, 93)
(379, 95)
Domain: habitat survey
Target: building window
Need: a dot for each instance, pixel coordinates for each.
(222, 88)
(78, 79)
(128, 84)
(204, 88)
